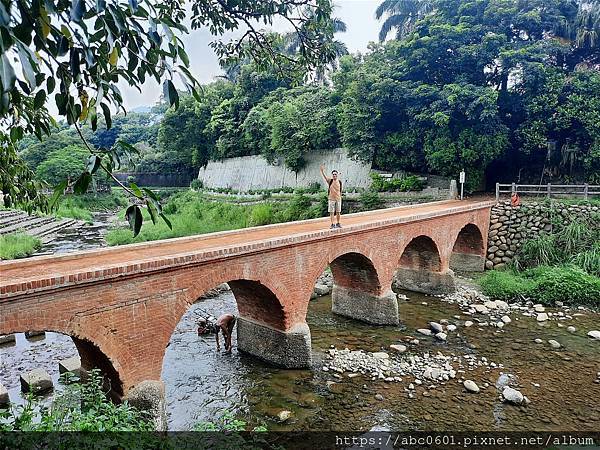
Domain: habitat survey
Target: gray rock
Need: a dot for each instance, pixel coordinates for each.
(554, 344)
(321, 289)
(72, 365)
(471, 386)
(441, 336)
(284, 415)
(542, 317)
(7, 339)
(398, 347)
(4, 398)
(594, 334)
(436, 327)
(512, 396)
(36, 381)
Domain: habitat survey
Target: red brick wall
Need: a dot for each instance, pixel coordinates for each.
(130, 319)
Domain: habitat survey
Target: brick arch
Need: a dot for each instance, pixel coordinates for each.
(355, 271)
(469, 240)
(468, 249)
(421, 253)
(92, 353)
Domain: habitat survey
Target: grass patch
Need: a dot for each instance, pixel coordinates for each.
(191, 213)
(18, 245)
(568, 284)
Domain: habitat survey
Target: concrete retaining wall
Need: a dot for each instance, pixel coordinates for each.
(254, 172)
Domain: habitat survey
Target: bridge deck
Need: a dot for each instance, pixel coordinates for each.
(46, 272)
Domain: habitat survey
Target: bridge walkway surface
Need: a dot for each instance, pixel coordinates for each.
(44, 272)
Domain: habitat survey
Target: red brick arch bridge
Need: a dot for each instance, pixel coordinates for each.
(121, 305)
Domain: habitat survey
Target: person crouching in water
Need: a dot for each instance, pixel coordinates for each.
(224, 324)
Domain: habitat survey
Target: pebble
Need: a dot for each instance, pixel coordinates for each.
(554, 344)
(594, 334)
(398, 347)
(284, 415)
(436, 327)
(471, 386)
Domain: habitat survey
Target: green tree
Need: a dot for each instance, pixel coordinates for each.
(74, 54)
(68, 162)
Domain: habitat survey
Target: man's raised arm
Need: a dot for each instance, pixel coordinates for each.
(323, 174)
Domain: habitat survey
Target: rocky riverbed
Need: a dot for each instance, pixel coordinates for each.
(479, 377)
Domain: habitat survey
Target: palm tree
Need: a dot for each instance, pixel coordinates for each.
(401, 15)
(583, 32)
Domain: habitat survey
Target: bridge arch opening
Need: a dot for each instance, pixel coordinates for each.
(356, 272)
(420, 268)
(54, 352)
(468, 252)
(421, 253)
(357, 291)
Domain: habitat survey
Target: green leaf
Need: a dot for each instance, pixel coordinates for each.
(39, 100)
(136, 190)
(50, 85)
(151, 194)
(133, 5)
(107, 117)
(27, 65)
(170, 93)
(59, 190)
(82, 183)
(152, 210)
(77, 10)
(93, 163)
(167, 221)
(7, 73)
(4, 16)
(135, 219)
(16, 134)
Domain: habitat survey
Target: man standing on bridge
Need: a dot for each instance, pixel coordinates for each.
(334, 196)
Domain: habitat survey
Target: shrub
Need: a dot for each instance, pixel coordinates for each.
(567, 284)
(504, 285)
(81, 407)
(196, 184)
(261, 215)
(370, 200)
(18, 245)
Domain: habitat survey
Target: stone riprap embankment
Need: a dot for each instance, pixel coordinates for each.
(511, 226)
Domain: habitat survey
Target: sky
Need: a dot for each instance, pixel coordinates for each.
(362, 28)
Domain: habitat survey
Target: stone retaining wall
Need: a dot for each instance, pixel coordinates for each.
(510, 227)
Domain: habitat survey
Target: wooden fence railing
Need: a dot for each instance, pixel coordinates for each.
(585, 190)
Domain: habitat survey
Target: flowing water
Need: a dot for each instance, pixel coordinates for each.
(202, 384)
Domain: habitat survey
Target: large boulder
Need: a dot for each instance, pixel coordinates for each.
(36, 381)
(4, 399)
